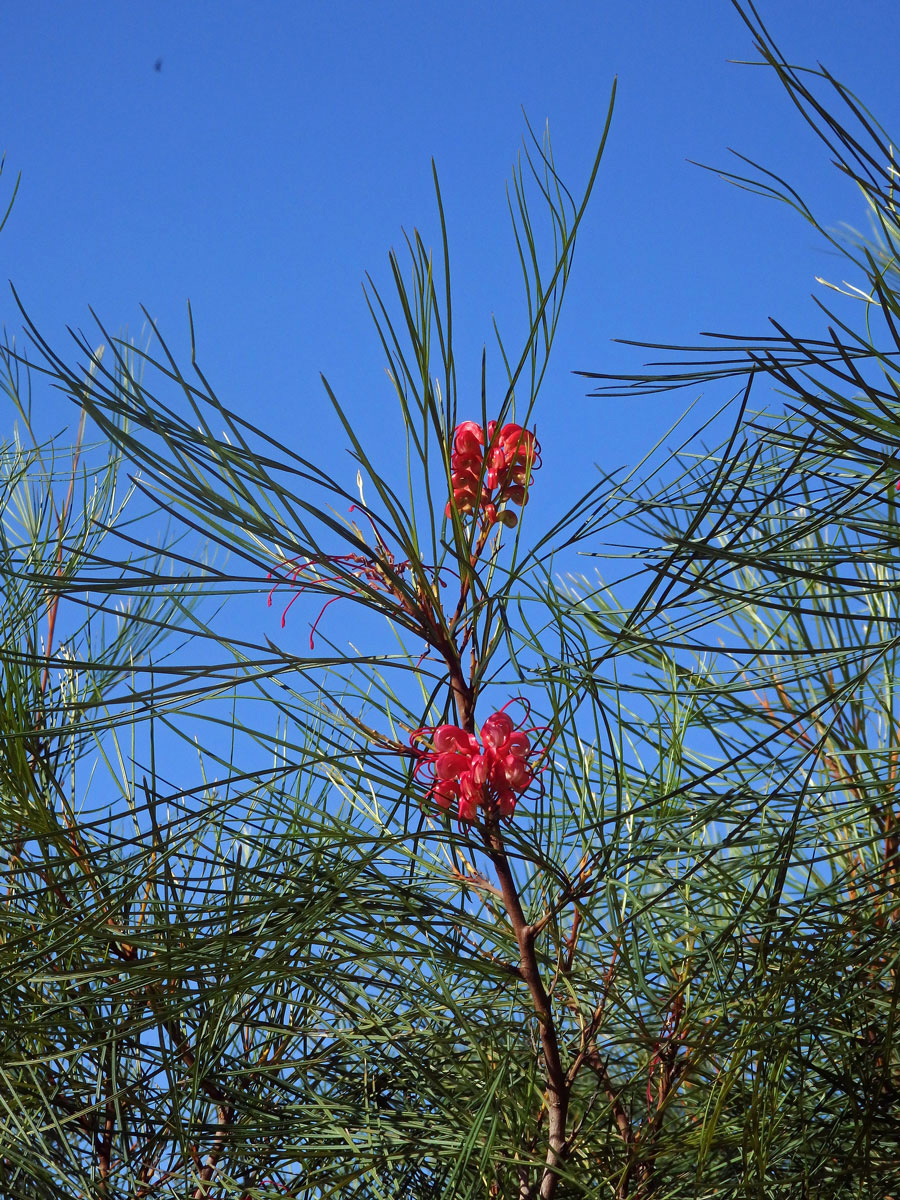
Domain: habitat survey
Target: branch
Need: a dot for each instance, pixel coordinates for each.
(557, 1084)
(226, 1117)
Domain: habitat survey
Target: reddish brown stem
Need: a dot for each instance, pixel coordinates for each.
(529, 969)
(557, 1083)
(465, 585)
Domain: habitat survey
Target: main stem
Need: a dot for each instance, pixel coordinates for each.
(557, 1083)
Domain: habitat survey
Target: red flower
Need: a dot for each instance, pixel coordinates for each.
(488, 775)
(490, 468)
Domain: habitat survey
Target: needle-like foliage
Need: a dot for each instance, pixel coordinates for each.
(530, 887)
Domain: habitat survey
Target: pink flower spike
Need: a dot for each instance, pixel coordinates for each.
(489, 469)
(486, 775)
(357, 574)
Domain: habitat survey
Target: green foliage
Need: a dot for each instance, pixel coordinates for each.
(245, 954)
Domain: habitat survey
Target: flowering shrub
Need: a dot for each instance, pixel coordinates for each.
(487, 775)
(324, 1074)
(698, 928)
(488, 472)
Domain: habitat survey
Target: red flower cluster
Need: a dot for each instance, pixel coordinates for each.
(488, 775)
(488, 472)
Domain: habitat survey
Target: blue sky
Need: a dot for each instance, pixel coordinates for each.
(282, 148)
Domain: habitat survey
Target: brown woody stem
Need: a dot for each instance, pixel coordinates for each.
(558, 1088)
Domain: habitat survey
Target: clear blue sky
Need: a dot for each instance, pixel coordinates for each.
(282, 148)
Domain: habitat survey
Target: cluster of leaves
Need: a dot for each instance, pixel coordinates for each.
(242, 958)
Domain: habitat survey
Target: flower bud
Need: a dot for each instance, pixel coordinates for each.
(470, 463)
(506, 803)
(451, 737)
(497, 729)
(445, 791)
(450, 765)
(478, 772)
(517, 774)
(468, 438)
(518, 744)
(468, 809)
